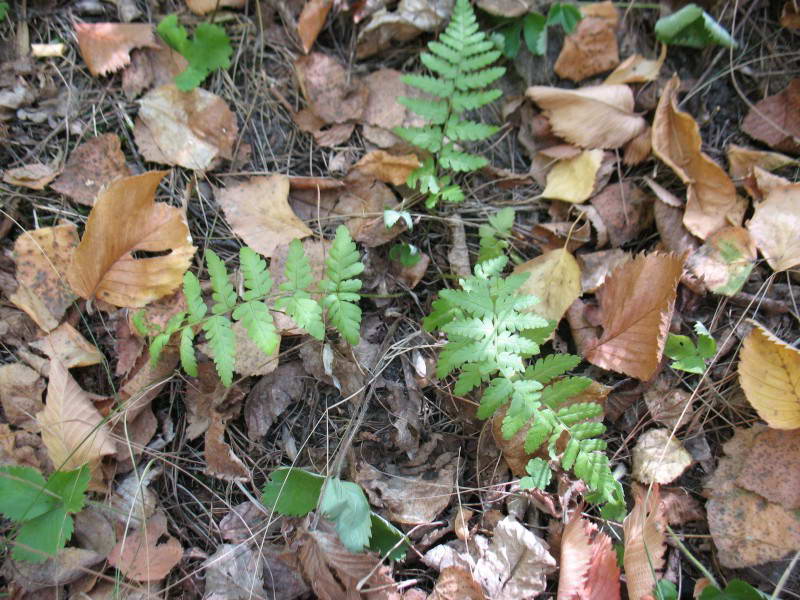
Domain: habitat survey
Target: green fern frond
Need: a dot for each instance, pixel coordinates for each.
(341, 287)
(300, 306)
(257, 321)
(435, 111)
(547, 368)
(194, 298)
(221, 339)
(562, 390)
(441, 88)
(222, 289)
(257, 280)
(427, 138)
(470, 131)
(539, 475)
(157, 347)
(188, 359)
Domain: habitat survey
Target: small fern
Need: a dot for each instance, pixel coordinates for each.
(460, 61)
(490, 341)
(253, 307)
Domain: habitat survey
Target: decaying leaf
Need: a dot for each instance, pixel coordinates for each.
(35, 176)
(645, 542)
(386, 167)
(626, 211)
(724, 262)
(364, 201)
(106, 47)
(742, 160)
(271, 396)
(772, 468)
(507, 8)
(456, 582)
(588, 565)
(573, 179)
(125, 219)
(659, 457)
(712, 202)
(258, 211)
(66, 567)
(221, 461)
(151, 67)
(636, 303)
(668, 403)
(332, 94)
(233, 572)
(21, 395)
(203, 7)
(775, 120)
(637, 69)
(592, 48)
(769, 373)
(66, 344)
(596, 266)
(554, 278)
(311, 21)
(250, 360)
(409, 19)
(775, 227)
(140, 557)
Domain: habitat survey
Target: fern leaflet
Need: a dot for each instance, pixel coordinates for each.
(341, 287)
(219, 332)
(300, 306)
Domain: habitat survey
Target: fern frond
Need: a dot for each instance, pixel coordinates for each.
(257, 280)
(563, 389)
(435, 111)
(496, 395)
(222, 289)
(470, 131)
(297, 271)
(457, 160)
(221, 339)
(188, 359)
(479, 79)
(439, 65)
(194, 298)
(157, 347)
(452, 193)
(580, 411)
(479, 61)
(446, 52)
(548, 368)
(441, 88)
(343, 265)
(539, 475)
(462, 101)
(427, 138)
(257, 321)
(542, 428)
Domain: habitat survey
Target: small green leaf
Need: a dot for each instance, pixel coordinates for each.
(22, 493)
(157, 346)
(535, 32)
(257, 321)
(188, 359)
(47, 533)
(511, 39)
(539, 475)
(386, 539)
(692, 26)
(665, 590)
(406, 254)
(140, 323)
(434, 111)
(564, 14)
(344, 503)
(71, 487)
(735, 590)
(257, 279)
(3, 10)
(194, 298)
(292, 492)
(390, 217)
(222, 341)
(223, 292)
(208, 50)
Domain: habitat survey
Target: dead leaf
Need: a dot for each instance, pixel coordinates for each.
(139, 556)
(66, 567)
(94, 531)
(596, 266)
(364, 201)
(626, 211)
(769, 373)
(588, 564)
(311, 21)
(742, 160)
(233, 572)
(507, 8)
(151, 67)
(125, 219)
(105, 47)
(221, 461)
(67, 345)
(668, 403)
(573, 179)
(639, 148)
(133, 434)
(669, 223)
(775, 120)
(645, 542)
(775, 226)
(636, 303)
(409, 19)
(258, 211)
(772, 467)
(456, 582)
(592, 48)
(203, 7)
(659, 457)
(411, 276)
(194, 130)
(145, 381)
(332, 93)
(133, 502)
(72, 430)
(386, 167)
(555, 279)
(637, 69)
(382, 109)
(599, 116)
(206, 397)
(35, 176)
(725, 261)
(790, 15)
(680, 507)
(271, 396)
(92, 166)
(712, 202)
(21, 395)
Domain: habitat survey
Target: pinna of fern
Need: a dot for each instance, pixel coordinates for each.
(461, 73)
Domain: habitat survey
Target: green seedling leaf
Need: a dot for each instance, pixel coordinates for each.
(735, 590)
(406, 254)
(510, 35)
(386, 539)
(292, 492)
(344, 503)
(692, 26)
(686, 355)
(539, 475)
(210, 49)
(390, 217)
(535, 32)
(3, 10)
(564, 14)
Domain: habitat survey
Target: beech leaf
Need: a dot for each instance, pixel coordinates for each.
(645, 541)
(554, 278)
(588, 565)
(775, 227)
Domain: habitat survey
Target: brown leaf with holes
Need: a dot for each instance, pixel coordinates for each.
(645, 542)
(139, 556)
(775, 120)
(311, 21)
(711, 202)
(775, 227)
(92, 166)
(126, 219)
(34, 176)
(386, 167)
(636, 304)
(105, 47)
(588, 563)
(592, 48)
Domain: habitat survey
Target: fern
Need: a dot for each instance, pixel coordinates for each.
(490, 342)
(341, 287)
(460, 62)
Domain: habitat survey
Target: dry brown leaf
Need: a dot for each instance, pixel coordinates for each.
(573, 179)
(92, 166)
(271, 396)
(592, 48)
(332, 93)
(669, 223)
(203, 7)
(625, 210)
(386, 167)
(554, 278)
(596, 266)
(43, 579)
(772, 468)
(659, 457)
(456, 583)
(72, 430)
(712, 202)
(645, 542)
(151, 67)
(206, 397)
(507, 8)
(741, 160)
(311, 21)
(139, 556)
(105, 47)
(67, 345)
(599, 116)
(145, 381)
(35, 176)
(258, 211)
(234, 572)
(410, 18)
(221, 462)
(193, 129)
(383, 110)
(250, 360)
(411, 276)
(364, 201)
(588, 564)
(724, 262)
(639, 148)
(775, 120)
(680, 507)
(637, 69)
(668, 403)
(775, 228)
(636, 303)
(790, 15)
(21, 395)
(769, 373)
(125, 219)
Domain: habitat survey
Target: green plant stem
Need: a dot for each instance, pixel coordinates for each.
(700, 567)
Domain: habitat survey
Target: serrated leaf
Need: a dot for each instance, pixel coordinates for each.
(539, 475)
(140, 324)
(519, 413)
(343, 263)
(457, 160)
(223, 293)
(439, 65)
(435, 111)
(580, 411)
(472, 100)
(386, 539)
(564, 14)
(458, 130)
(549, 367)
(305, 312)
(257, 280)
(188, 359)
(481, 58)
(540, 430)
(70, 487)
(292, 492)
(194, 298)
(344, 503)
(345, 317)
(496, 394)
(157, 347)
(22, 494)
(46, 534)
(222, 340)
(257, 321)
(208, 50)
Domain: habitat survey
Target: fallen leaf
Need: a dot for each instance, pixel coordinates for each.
(133, 434)
(206, 397)
(94, 531)
(21, 395)
(741, 160)
(592, 48)
(400, 24)
(194, 130)
(680, 507)
(669, 223)
(573, 179)
(331, 92)
(712, 202)
(221, 461)
(139, 556)
(668, 403)
(775, 120)
(772, 468)
(411, 276)
(54, 50)
(145, 382)
(599, 116)
(386, 167)
(637, 69)
(35, 176)
(250, 360)
(151, 67)
(507, 8)
(133, 502)
(769, 373)
(325, 135)
(105, 47)
(775, 226)
(126, 219)
(790, 15)
(92, 166)
(725, 261)
(659, 457)
(364, 201)
(555, 279)
(626, 211)
(72, 430)
(68, 346)
(645, 542)
(382, 109)
(456, 582)
(636, 303)
(588, 564)
(639, 148)
(233, 572)
(596, 266)
(203, 7)
(271, 396)
(311, 21)
(68, 566)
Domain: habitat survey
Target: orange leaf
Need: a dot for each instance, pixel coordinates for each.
(712, 202)
(126, 219)
(106, 46)
(645, 542)
(775, 227)
(311, 21)
(592, 48)
(636, 303)
(386, 167)
(769, 373)
(775, 120)
(588, 565)
(140, 557)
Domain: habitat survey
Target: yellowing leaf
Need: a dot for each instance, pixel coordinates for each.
(645, 542)
(126, 219)
(769, 373)
(573, 179)
(637, 69)
(659, 457)
(258, 211)
(106, 46)
(636, 303)
(775, 227)
(72, 429)
(599, 116)
(742, 160)
(555, 278)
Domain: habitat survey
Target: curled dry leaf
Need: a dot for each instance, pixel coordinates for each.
(67, 345)
(151, 67)
(40, 579)
(712, 202)
(573, 179)
(554, 278)
(599, 116)
(645, 542)
(258, 211)
(769, 373)
(409, 19)
(637, 69)
(140, 557)
(105, 47)
(588, 563)
(639, 148)
(311, 21)
(742, 160)
(725, 261)
(636, 304)
(592, 48)
(126, 219)
(659, 457)
(386, 167)
(35, 176)
(775, 227)
(775, 120)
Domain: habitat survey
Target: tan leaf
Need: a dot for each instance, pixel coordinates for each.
(645, 542)
(599, 116)
(386, 167)
(193, 129)
(712, 202)
(364, 201)
(596, 266)
(639, 148)
(588, 564)
(775, 227)
(140, 557)
(72, 430)
(92, 166)
(125, 219)
(221, 462)
(626, 211)
(54, 50)
(592, 48)
(145, 381)
(456, 582)
(67, 345)
(311, 21)
(271, 396)
(234, 572)
(554, 278)
(203, 7)
(332, 93)
(637, 69)
(742, 160)
(383, 110)
(772, 468)
(507, 8)
(668, 403)
(775, 120)
(151, 67)
(106, 46)
(769, 373)
(790, 15)
(659, 457)
(21, 395)
(724, 262)
(258, 211)
(35, 176)
(206, 397)
(406, 21)
(573, 179)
